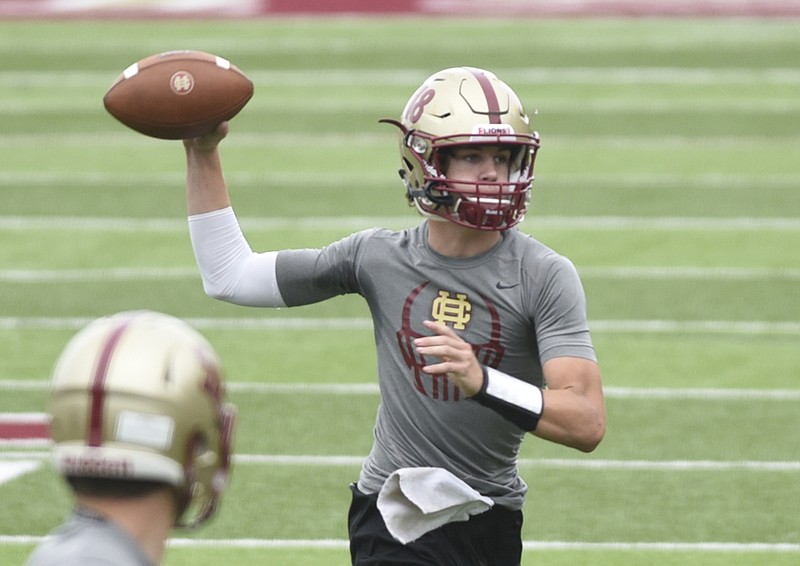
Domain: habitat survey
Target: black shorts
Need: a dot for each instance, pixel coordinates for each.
(491, 538)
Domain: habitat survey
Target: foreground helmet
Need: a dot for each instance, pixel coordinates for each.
(459, 107)
(139, 396)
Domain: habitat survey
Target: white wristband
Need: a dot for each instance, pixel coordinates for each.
(520, 402)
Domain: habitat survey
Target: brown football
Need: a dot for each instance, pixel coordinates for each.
(178, 94)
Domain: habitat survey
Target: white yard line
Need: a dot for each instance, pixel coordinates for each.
(341, 460)
(342, 544)
(727, 327)
(10, 471)
(557, 463)
(687, 272)
(722, 327)
(665, 393)
(327, 223)
(640, 181)
(519, 76)
(614, 104)
(284, 139)
(597, 272)
(98, 274)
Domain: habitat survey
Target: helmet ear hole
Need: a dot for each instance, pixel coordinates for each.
(194, 502)
(407, 165)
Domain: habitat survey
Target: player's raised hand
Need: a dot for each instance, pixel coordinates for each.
(209, 141)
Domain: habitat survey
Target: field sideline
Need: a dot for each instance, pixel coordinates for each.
(668, 174)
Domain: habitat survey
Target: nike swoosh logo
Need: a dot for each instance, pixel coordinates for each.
(501, 285)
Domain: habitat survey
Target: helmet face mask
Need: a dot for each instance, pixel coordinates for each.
(457, 108)
(139, 396)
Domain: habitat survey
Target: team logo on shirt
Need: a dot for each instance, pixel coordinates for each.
(453, 310)
(456, 310)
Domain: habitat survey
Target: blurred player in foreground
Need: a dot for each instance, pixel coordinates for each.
(481, 330)
(142, 436)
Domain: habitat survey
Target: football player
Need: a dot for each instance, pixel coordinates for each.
(481, 330)
(141, 433)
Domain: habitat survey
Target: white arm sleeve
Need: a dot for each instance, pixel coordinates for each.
(230, 269)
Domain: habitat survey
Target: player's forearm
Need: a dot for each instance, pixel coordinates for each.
(205, 183)
(573, 419)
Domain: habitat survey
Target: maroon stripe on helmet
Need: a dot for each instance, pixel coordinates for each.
(95, 435)
(491, 97)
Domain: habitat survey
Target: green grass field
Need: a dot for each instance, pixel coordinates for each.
(669, 173)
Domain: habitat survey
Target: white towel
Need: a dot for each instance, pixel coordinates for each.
(414, 501)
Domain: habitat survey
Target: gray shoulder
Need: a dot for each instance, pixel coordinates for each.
(380, 237)
(536, 256)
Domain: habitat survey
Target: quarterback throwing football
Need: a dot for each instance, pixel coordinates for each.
(481, 330)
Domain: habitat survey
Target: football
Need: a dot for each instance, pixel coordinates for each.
(178, 94)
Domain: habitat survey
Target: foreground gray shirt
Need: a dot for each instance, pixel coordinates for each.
(86, 539)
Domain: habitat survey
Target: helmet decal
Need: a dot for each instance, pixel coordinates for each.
(491, 96)
(95, 434)
(417, 106)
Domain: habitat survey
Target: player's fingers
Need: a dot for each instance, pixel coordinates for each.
(443, 335)
(451, 357)
(457, 358)
(210, 140)
(440, 329)
(468, 377)
(440, 368)
(449, 348)
(221, 131)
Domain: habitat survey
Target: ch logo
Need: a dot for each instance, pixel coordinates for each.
(455, 310)
(181, 83)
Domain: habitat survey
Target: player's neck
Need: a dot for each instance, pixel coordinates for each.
(147, 519)
(452, 240)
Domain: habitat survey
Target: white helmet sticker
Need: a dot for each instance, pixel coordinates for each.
(493, 132)
(154, 431)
